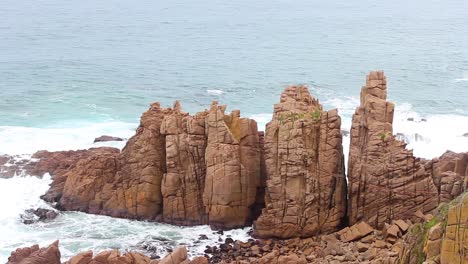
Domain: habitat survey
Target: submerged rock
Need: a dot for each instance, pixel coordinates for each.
(31, 216)
(107, 139)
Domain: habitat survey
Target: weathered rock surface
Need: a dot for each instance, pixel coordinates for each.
(181, 169)
(126, 184)
(441, 239)
(385, 181)
(450, 175)
(232, 168)
(58, 164)
(36, 255)
(306, 186)
(455, 241)
(183, 183)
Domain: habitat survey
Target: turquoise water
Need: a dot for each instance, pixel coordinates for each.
(96, 61)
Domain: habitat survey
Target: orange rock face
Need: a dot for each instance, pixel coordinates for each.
(36, 255)
(306, 186)
(450, 175)
(181, 169)
(232, 167)
(385, 180)
(184, 181)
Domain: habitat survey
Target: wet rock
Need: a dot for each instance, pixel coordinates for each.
(203, 237)
(31, 216)
(107, 139)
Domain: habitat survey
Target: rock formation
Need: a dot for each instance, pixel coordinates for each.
(385, 180)
(306, 186)
(184, 181)
(41, 162)
(51, 255)
(181, 169)
(36, 255)
(450, 174)
(232, 167)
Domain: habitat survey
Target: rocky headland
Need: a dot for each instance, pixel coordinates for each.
(289, 182)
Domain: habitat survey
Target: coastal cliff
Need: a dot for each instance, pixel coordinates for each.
(289, 182)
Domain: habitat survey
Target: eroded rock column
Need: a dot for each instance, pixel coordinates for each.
(306, 187)
(232, 168)
(385, 180)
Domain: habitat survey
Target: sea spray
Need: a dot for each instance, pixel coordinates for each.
(80, 232)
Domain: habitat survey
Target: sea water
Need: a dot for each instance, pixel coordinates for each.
(73, 71)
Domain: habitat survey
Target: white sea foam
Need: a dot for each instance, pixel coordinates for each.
(262, 120)
(79, 232)
(215, 92)
(428, 135)
(27, 140)
(431, 135)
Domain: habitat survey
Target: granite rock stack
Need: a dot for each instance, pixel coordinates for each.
(178, 168)
(306, 185)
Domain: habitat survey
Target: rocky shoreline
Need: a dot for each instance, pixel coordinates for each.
(289, 182)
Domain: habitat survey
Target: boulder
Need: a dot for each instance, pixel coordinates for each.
(355, 232)
(402, 225)
(176, 257)
(306, 186)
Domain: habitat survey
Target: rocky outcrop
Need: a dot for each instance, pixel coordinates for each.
(41, 162)
(36, 255)
(57, 164)
(306, 186)
(127, 184)
(450, 175)
(181, 169)
(51, 255)
(439, 238)
(385, 180)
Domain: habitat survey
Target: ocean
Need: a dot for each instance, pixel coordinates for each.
(72, 71)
